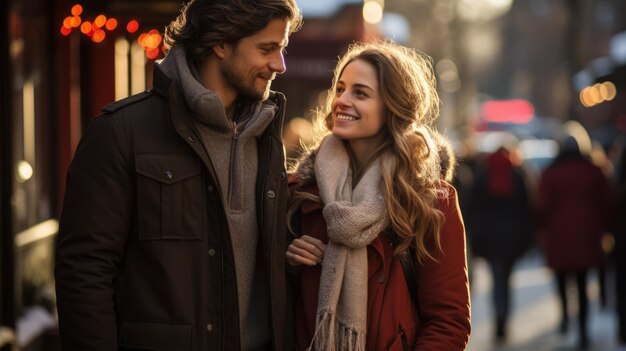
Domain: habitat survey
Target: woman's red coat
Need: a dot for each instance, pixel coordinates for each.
(443, 321)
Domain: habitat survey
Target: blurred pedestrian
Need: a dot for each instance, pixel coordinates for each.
(620, 246)
(463, 181)
(500, 222)
(382, 248)
(173, 229)
(574, 206)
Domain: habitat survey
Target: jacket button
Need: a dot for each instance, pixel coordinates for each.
(283, 175)
(209, 327)
(191, 139)
(381, 279)
(271, 194)
(211, 252)
(169, 175)
(209, 188)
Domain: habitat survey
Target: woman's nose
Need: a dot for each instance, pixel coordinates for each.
(342, 99)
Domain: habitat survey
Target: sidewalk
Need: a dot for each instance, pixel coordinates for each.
(535, 312)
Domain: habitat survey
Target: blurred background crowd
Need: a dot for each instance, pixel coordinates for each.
(533, 99)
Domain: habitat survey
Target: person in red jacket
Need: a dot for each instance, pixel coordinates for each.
(499, 218)
(574, 207)
(372, 193)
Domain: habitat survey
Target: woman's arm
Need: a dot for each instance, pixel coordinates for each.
(443, 287)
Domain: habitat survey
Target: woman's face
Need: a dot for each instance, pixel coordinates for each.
(357, 108)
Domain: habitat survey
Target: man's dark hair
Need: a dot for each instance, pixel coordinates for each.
(203, 24)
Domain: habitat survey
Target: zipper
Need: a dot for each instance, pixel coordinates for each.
(268, 260)
(270, 275)
(263, 183)
(231, 170)
(231, 177)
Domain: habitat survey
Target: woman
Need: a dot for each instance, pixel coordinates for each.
(370, 193)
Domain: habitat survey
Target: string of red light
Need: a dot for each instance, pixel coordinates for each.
(150, 41)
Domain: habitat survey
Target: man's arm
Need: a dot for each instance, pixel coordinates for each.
(94, 225)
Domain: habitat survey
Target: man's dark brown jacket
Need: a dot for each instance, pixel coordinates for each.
(144, 257)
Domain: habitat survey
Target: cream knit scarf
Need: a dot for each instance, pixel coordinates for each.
(354, 218)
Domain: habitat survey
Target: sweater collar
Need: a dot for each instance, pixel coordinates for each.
(206, 105)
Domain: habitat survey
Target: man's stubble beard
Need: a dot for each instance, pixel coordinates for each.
(237, 81)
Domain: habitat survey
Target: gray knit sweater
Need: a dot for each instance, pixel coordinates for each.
(232, 148)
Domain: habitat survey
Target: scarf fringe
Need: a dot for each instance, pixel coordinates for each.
(344, 337)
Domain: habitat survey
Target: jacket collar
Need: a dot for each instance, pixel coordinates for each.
(182, 120)
(164, 86)
(160, 82)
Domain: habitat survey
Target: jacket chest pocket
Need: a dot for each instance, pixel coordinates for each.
(169, 197)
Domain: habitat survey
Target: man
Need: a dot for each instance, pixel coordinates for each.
(172, 235)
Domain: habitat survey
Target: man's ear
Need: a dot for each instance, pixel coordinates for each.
(220, 50)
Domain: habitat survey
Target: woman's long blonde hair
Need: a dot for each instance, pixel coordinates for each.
(410, 161)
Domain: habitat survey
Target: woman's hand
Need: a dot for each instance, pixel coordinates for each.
(305, 250)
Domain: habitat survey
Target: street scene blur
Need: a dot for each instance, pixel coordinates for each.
(533, 99)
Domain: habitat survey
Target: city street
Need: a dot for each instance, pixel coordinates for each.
(535, 312)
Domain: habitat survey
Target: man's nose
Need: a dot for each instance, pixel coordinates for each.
(278, 63)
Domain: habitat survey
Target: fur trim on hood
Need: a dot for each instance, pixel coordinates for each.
(447, 158)
(305, 168)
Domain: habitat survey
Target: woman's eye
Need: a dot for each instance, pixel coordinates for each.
(338, 91)
(360, 93)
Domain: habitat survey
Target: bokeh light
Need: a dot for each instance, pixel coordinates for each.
(98, 36)
(85, 27)
(111, 24)
(77, 10)
(132, 26)
(372, 12)
(597, 94)
(611, 90)
(24, 171)
(66, 30)
(152, 53)
(75, 21)
(100, 21)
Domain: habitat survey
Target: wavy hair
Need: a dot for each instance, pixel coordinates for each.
(203, 24)
(411, 169)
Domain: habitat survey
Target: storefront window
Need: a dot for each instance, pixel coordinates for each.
(32, 153)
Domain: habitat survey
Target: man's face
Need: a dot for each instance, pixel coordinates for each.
(250, 65)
